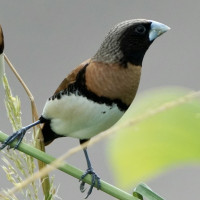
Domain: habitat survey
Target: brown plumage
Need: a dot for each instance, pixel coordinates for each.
(117, 83)
(113, 81)
(71, 78)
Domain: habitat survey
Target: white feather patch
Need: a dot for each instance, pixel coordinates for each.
(76, 116)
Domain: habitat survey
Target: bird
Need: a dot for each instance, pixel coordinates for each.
(97, 93)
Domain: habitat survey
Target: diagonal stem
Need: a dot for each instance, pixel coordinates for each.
(37, 136)
(28, 92)
(58, 163)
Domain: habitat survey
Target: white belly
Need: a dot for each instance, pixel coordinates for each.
(76, 116)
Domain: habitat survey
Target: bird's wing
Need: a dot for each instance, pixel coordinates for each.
(71, 78)
(51, 108)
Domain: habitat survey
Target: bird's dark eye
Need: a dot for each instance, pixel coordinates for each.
(140, 29)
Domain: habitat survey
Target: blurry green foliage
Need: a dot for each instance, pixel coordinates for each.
(169, 138)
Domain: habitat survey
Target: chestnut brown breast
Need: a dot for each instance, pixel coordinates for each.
(113, 81)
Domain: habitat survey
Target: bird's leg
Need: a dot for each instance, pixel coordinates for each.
(18, 135)
(91, 172)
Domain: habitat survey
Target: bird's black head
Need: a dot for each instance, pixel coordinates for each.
(134, 42)
(128, 41)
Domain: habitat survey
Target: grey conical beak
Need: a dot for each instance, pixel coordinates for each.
(157, 29)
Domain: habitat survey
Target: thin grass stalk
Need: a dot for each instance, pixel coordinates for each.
(38, 137)
(24, 164)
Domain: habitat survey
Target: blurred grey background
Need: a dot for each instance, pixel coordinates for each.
(45, 40)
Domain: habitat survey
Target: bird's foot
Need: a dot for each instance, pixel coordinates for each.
(17, 135)
(94, 179)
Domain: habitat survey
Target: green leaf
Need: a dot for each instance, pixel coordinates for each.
(164, 140)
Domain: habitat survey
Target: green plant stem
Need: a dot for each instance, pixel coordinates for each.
(71, 170)
(145, 191)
